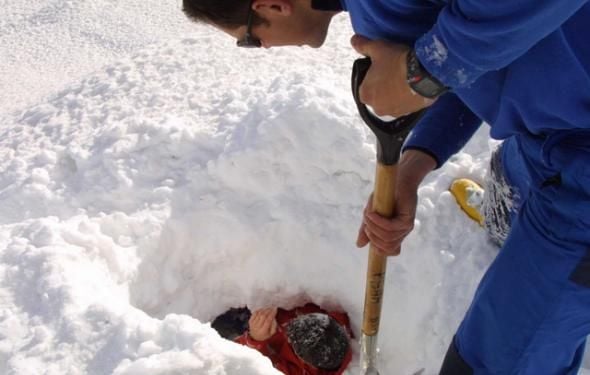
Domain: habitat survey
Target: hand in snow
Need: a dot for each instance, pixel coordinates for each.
(387, 234)
(385, 87)
(263, 324)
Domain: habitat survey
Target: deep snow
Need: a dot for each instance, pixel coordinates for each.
(187, 176)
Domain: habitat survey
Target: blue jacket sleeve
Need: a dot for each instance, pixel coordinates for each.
(445, 128)
(472, 37)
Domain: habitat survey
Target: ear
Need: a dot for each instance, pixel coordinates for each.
(272, 8)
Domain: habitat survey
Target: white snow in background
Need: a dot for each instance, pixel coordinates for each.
(185, 177)
(48, 44)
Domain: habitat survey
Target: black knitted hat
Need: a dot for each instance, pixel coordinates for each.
(319, 340)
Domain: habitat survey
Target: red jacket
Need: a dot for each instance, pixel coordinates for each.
(278, 349)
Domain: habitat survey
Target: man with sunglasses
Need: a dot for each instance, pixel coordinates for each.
(263, 23)
(523, 67)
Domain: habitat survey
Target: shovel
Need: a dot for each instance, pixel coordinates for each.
(390, 138)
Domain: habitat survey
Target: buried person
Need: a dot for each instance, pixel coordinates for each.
(304, 340)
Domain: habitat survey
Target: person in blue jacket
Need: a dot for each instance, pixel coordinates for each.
(523, 67)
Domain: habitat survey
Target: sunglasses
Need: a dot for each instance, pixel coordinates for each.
(249, 41)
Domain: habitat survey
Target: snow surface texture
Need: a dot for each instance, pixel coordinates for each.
(139, 202)
(44, 42)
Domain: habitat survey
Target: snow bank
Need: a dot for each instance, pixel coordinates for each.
(142, 202)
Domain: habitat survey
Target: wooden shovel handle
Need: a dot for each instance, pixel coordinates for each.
(384, 204)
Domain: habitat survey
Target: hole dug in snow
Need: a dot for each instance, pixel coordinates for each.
(207, 262)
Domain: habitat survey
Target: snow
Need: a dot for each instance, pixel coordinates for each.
(437, 51)
(152, 176)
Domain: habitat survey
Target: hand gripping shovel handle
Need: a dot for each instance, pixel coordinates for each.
(390, 138)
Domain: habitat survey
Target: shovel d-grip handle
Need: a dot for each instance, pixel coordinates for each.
(390, 134)
(390, 138)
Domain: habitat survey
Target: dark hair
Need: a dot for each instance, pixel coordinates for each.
(227, 13)
(232, 323)
(319, 340)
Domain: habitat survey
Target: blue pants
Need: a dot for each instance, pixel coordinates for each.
(531, 312)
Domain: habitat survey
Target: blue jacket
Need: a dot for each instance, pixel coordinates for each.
(521, 66)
